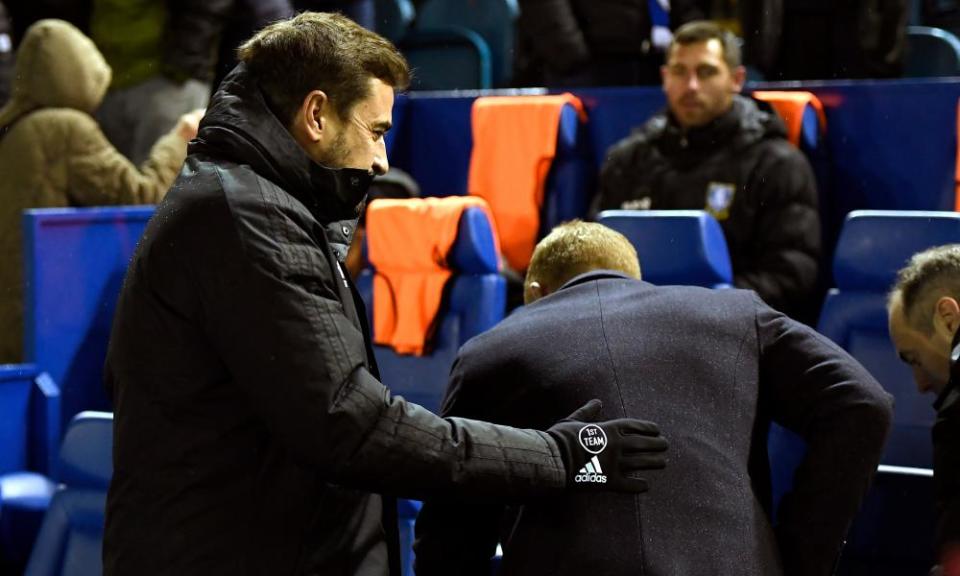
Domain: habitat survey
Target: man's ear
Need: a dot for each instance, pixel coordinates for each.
(739, 78)
(533, 291)
(313, 116)
(946, 314)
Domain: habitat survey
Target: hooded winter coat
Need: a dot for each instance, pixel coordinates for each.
(740, 168)
(53, 154)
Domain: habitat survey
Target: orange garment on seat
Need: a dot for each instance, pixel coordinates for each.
(790, 106)
(956, 175)
(514, 143)
(408, 242)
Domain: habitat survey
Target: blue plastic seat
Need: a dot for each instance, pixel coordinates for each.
(567, 188)
(873, 246)
(29, 434)
(685, 247)
(931, 52)
(493, 20)
(71, 537)
(82, 252)
(450, 58)
(475, 301)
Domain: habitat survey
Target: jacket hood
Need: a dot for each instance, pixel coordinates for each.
(744, 124)
(57, 67)
(240, 127)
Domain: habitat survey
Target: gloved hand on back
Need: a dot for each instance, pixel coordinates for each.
(606, 456)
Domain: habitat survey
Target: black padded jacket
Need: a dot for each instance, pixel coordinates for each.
(252, 435)
(946, 457)
(740, 168)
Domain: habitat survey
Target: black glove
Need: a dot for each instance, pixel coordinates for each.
(606, 456)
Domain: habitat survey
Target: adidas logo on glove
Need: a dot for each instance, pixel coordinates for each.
(591, 473)
(593, 439)
(623, 446)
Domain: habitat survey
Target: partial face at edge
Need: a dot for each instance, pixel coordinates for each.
(927, 356)
(698, 83)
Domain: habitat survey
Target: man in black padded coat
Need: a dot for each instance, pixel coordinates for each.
(715, 150)
(252, 435)
(924, 313)
(713, 368)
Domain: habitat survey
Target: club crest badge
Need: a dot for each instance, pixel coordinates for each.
(719, 199)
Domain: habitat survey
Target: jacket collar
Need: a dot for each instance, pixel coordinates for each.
(951, 386)
(240, 126)
(594, 275)
(715, 133)
(742, 125)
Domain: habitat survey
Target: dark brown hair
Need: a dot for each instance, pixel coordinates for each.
(704, 31)
(320, 51)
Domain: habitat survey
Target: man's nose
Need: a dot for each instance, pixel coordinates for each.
(380, 162)
(693, 83)
(922, 381)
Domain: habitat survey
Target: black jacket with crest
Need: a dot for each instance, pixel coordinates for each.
(741, 168)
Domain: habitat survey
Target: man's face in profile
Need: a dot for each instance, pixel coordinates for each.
(698, 83)
(358, 139)
(928, 355)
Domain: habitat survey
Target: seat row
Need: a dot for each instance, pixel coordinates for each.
(468, 44)
(674, 248)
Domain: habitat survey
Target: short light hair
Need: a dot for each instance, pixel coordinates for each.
(928, 276)
(320, 51)
(576, 247)
(704, 31)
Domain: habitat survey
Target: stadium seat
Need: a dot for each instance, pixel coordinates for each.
(474, 301)
(71, 537)
(931, 52)
(394, 17)
(29, 435)
(684, 247)
(567, 188)
(802, 114)
(529, 163)
(873, 246)
(893, 534)
(82, 252)
(493, 20)
(449, 58)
